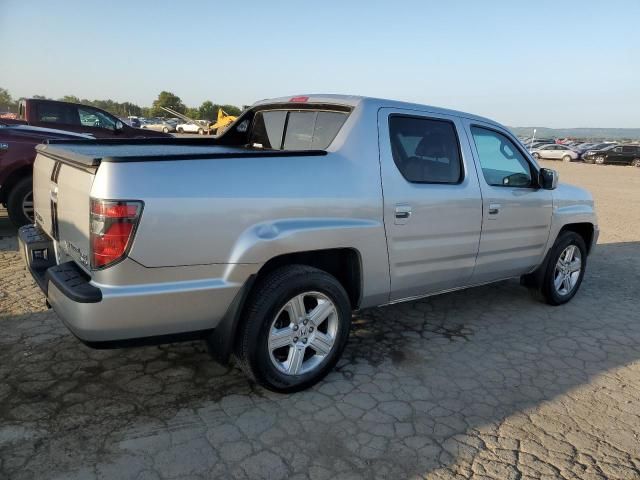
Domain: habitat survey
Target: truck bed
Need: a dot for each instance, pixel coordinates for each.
(91, 153)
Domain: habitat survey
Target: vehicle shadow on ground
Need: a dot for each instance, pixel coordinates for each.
(414, 377)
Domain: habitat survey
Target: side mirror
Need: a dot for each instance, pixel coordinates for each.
(548, 178)
(119, 127)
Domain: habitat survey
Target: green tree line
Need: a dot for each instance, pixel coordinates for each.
(206, 111)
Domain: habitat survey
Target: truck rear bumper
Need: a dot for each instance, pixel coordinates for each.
(98, 314)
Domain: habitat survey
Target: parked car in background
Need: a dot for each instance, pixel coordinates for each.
(555, 152)
(159, 125)
(280, 229)
(133, 121)
(76, 118)
(583, 147)
(597, 148)
(199, 126)
(618, 155)
(17, 153)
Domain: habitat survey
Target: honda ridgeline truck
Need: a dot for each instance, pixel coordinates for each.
(265, 239)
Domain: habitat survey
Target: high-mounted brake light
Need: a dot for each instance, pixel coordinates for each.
(299, 99)
(113, 224)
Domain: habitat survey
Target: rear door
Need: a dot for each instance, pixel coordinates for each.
(555, 152)
(628, 154)
(516, 213)
(432, 203)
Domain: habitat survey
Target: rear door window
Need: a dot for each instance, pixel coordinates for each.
(296, 129)
(425, 150)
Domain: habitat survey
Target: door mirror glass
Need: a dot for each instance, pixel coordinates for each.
(548, 178)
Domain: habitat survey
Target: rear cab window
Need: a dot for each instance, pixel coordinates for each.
(292, 129)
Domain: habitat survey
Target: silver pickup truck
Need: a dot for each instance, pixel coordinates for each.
(265, 239)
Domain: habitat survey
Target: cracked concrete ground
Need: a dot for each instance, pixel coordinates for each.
(484, 384)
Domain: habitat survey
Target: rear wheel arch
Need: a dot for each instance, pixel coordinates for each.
(342, 263)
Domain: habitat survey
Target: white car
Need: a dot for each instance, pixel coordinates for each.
(555, 152)
(200, 127)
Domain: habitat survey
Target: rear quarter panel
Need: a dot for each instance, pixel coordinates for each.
(249, 210)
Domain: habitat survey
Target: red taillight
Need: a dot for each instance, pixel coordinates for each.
(113, 224)
(299, 99)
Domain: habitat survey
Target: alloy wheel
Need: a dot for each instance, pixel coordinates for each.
(27, 206)
(567, 270)
(303, 333)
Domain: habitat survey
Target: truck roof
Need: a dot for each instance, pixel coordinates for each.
(357, 100)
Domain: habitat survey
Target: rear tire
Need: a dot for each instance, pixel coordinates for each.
(200, 131)
(536, 155)
(165, 130)
(275, 316)
(599, 160)
(180, 130)
(559, 281)
(18, 202)
(635, 162)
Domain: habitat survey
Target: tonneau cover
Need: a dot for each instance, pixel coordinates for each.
(90, 153)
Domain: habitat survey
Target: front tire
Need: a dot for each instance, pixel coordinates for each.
(180, 130)
(200, 131)
(536, 155)
(564, 269)
(599, 160)
(165, 130)
(635, 162)
(296, 326)
(566, 159)
(20, 202)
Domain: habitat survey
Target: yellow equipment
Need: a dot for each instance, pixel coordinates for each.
(222, 122)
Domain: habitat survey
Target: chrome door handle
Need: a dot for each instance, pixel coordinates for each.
(402, 213)
(494, 208)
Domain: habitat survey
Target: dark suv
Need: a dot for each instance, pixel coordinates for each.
(620, 155)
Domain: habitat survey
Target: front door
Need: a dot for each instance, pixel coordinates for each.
(432, 202)
(516, 212)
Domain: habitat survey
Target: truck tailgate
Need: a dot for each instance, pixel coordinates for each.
(61, 194)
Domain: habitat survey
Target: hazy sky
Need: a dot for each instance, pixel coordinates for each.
(549, 63)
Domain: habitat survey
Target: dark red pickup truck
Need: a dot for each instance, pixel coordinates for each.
(78, 118)
(38, 121)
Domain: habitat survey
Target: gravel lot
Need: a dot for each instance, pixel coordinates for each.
(485, 383)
